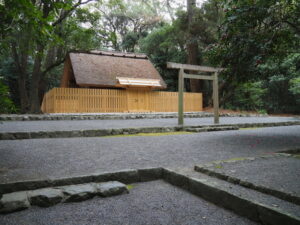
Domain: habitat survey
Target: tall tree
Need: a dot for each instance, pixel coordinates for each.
(124, 22)
(192, 44)
(253, 34)
(33, 38)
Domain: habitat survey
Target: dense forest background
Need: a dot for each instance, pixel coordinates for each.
(257, 41)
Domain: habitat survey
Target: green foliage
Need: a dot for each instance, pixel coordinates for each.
(130, 41)
(162, 45)
(124, 22)
(247, 96)
(282, 87)
(78, 37)
(295, 86)
(257, 44)
(279, 92)
(253, 32)
(6, 104)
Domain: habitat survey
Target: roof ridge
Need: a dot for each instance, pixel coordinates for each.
(114, 53)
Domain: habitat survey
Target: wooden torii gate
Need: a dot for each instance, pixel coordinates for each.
(182, 75)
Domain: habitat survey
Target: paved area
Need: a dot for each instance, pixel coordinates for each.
(278, 173)
(148, 203)
(14, 126)
(42, 158)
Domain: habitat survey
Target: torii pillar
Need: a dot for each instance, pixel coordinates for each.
(182, 75)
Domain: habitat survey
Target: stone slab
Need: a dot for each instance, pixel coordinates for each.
(45, 197)
(80, 192)
(112, 188)
(14, 202)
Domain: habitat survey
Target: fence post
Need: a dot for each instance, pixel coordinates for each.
(180, 97)
(216, 98)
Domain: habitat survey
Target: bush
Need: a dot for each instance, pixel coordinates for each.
(6, 104)
(248, 96)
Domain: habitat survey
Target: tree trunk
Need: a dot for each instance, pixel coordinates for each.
(192, 45)
(24, 101)
(52, 53)
(21, 65)
(35, 81)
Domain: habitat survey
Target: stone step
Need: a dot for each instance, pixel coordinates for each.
(46, 197)
(246, 202)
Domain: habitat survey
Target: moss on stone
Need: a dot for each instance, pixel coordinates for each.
(218, 166)
(129, 186)
(151, 134)
(236, 159)
(297, 156)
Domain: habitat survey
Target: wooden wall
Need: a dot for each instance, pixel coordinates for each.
(79, 100)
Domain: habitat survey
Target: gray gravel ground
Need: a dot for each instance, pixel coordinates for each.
(280, 173)
(42, 158)
(14, 126)
(150, 203)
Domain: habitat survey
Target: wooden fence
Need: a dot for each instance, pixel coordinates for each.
(78, 100)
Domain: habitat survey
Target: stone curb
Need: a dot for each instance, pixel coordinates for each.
(242, 206)
(209, 129)
(266, 190)
(200, 187)
(46, 197)
(117, 116)
(291, 152)
(124, 176)
(110, 132)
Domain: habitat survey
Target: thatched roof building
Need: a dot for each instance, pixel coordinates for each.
(105, 69)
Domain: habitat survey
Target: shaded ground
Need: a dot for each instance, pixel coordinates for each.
(14, 126)
(147, 203)
(42, 158)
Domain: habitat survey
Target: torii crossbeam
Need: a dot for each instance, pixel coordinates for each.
(182, 75)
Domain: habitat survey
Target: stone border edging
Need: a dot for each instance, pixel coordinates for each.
(111, 132)
(266, 190)
(200, 187)
(124, 176)
(117, 116)
(245, 207)
(46, 197)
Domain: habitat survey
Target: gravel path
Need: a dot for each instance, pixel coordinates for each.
(42, 158)
(150, 203)
(14, 126)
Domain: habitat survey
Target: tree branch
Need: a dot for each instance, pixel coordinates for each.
(55, 64)
(294, 26)
(68, 12)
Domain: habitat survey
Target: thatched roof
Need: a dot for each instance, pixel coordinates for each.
(102, 68)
